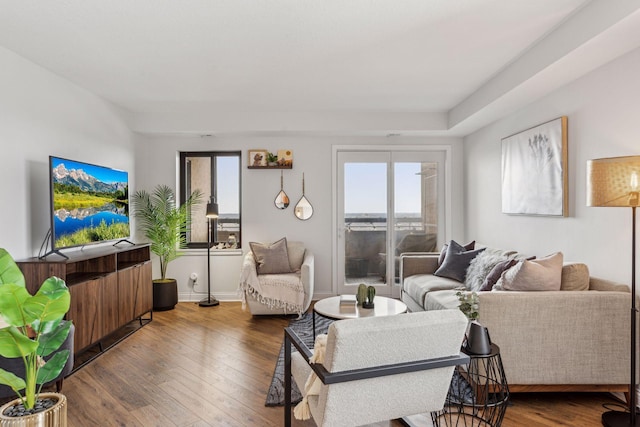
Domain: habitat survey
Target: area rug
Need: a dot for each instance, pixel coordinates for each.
(303, 327)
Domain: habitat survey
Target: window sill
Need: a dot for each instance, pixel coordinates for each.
(214, 252)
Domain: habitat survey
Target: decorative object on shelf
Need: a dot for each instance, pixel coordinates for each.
(361, 296)
(257, 158)
(272, 159)
(34, 330)
(282, 200)
(371, 295)
(165, 225)
(303, 209)
(614, 182)
(285, 158)
(534, 170)
(212, 213)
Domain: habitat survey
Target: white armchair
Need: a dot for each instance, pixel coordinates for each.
(380, 368)
(283, 293)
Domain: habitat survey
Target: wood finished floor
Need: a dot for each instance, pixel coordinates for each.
(196, 366)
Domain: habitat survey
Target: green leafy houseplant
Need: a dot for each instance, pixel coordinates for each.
(163, 222)
(468, 304)
(34, 329)
(272, 158)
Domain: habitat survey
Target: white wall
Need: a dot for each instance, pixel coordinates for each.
(42, 114)
(603, 108)
(261, 221)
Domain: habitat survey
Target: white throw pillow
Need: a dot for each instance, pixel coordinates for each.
(542, 274)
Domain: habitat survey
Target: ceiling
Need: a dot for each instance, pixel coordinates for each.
(423, 62)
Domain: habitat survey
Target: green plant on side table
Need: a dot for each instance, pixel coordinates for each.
(469, 303)
(33, 329)
(164, 224)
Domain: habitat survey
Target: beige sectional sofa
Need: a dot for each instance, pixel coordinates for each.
(566, 340)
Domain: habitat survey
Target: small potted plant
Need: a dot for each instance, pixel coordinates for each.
(33, 330)
(165, 225)
(468, 304)
(272, 159)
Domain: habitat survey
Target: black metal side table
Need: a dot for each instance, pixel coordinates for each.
(478, 394)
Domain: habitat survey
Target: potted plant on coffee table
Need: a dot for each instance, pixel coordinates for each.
(33, 330)
(164, 224)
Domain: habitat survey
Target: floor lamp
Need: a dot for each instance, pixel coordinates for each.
(613, 182)
(212, 213)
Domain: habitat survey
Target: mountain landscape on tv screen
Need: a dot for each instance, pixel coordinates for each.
(90, 203)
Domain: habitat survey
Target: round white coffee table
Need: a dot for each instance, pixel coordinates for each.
(331, 309)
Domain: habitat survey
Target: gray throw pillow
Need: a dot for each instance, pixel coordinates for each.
(271, 258)
(456, 262)
(443, 252)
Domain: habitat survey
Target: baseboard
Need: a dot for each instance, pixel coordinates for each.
(198, 296)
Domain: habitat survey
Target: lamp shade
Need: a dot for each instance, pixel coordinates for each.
(613, 181)
(212, 210)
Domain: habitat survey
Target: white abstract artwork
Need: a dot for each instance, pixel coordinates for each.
(534, 170)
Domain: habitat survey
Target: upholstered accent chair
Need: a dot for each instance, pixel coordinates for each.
(16, 365)
(379, 368)
(277, 278)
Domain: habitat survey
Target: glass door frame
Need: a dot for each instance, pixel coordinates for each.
(338, 233)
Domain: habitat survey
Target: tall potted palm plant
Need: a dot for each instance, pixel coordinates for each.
(33, 330)
(164, 223)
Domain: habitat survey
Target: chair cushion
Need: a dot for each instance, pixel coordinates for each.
(419, 285)
(441, 300)
(271, 258)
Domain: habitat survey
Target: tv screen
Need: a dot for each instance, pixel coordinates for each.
(89, 203)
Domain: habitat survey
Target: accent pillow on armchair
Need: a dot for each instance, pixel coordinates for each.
(271, 258)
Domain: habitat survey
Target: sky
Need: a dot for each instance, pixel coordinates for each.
(366, 187)
(228, 200)
(102, 173)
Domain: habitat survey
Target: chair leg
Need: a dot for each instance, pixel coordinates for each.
(287, 381)
(59, 385)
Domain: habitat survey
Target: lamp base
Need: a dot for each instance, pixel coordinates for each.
(619, 419)
(209, 302)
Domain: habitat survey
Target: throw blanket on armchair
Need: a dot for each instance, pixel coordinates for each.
(274, 290)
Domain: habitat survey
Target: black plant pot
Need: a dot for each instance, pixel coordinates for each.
(165, 294)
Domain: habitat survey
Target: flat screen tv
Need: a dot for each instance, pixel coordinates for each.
(89, 203)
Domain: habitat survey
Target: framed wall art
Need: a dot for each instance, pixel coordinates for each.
(257, 158)
(285, 157)
(534, 170)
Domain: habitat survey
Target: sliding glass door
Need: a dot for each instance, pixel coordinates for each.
(387, 203)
